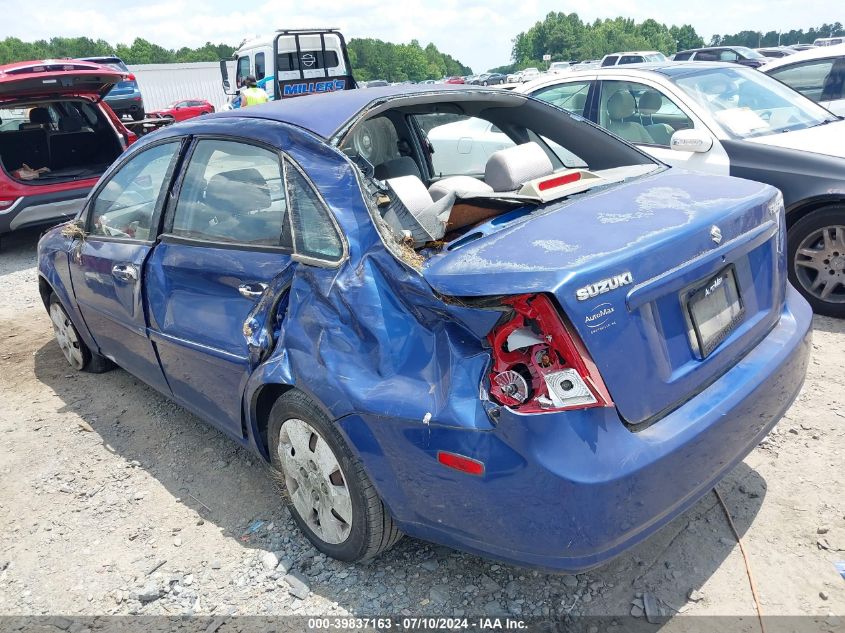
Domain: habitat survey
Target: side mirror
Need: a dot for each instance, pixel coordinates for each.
(694, 140)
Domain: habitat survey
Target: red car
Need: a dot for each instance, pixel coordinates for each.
(185, 109)
(57, 137)
(455, 80)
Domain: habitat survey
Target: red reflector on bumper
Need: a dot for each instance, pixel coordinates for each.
(551, 183)
(459, 462)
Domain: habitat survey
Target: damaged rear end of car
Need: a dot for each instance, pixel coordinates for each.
(601, 358)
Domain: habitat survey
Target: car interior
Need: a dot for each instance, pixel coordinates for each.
(395, 148)
(71, 139)
(639, 114)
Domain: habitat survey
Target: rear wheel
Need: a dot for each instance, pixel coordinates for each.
(137, 115)
(816, 245)
(330, 496)
(77, 353)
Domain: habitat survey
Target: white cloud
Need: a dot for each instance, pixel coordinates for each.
(476, 32)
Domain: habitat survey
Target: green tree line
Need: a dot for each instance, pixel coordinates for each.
(370, 58)
(375, 59)
(757, 39)
(567, 37)
(140, 51)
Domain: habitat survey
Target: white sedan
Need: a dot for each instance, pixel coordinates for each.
(817, 73)
(727, 119)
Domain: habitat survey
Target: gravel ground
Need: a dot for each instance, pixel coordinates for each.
(114, 500)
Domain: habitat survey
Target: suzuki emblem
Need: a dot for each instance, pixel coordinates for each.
(716, 234)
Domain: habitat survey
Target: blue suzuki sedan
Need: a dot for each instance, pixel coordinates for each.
(459, 314)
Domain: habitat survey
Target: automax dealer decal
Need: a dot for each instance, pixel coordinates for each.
(312, 87)
(600, 318)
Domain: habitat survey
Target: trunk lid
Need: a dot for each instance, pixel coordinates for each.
(635, 251)
(56, 78)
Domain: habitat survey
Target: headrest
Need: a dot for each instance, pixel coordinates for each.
(238, 191)
(621, 105)
(509, 168)
(39, 115)
(460, 185)
(396, 168)
(578, 102)
(650, 102)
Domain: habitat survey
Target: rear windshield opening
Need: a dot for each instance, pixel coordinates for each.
(438, 171)
(55, 141)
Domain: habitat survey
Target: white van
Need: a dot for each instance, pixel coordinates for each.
(293, 63)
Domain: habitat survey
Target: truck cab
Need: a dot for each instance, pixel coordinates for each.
(292, 63)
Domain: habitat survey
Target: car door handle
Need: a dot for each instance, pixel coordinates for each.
(125, 272)
(252, 290)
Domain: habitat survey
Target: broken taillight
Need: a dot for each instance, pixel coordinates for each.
(539, 364)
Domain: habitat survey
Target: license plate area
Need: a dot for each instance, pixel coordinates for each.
(713, 310)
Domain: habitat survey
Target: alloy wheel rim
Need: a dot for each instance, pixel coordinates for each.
(66, 336)
(315, 481)
(820, 264)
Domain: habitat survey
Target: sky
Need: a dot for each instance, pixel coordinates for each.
(478, 33)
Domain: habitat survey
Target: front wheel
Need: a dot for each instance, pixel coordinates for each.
(816, 246)
(77, 353)
(330, 496)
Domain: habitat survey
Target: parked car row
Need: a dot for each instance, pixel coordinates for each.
(720, 118)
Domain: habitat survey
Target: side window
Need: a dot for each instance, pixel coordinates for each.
(610, 61)
(680, 57)
(570, 96)
(631, 59)
(639, 113)
(461, 144)
(809, 78)
(243, 70)
(314, 233)
(728, 56)
(233, 192)
(259, 66)
(126, 204)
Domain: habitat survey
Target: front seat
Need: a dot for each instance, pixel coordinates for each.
(621, 106)
(650, 102)
(39, 118)
(237, 201)
(396, 168)
(834, 83)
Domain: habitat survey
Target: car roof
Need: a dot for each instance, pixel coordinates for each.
(325, 114)
(821, 52)
(668, 69)
(632, 53)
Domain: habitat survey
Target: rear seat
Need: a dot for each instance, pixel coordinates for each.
(24, 146)
(73, 146)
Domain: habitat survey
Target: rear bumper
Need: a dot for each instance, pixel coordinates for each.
(125, 104)
(570, 491)
(40, 209)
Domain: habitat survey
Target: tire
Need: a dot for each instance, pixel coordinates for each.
(137, 115)
(372, 530)
(814, 258)
(76, 352)
(484, 83)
